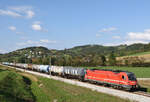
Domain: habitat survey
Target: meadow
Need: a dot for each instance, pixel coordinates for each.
(140, 54)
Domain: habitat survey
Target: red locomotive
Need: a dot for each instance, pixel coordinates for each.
(117, 78)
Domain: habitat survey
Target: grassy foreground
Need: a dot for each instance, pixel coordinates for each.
(22, 87)
(15, 88)
(140, 72)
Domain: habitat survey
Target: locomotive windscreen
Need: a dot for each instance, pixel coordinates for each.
(131, 76)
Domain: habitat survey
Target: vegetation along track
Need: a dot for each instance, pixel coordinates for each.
(135, 96)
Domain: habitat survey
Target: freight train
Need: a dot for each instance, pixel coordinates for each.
(115, 78)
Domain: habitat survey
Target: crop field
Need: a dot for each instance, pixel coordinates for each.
(145, 55)
(145, 84)
(140, 72)
(16, 86)
(139, 54)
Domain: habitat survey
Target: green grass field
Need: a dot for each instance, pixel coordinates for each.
(140, 72)
(139, 54)
(38, 89)
(15, 88)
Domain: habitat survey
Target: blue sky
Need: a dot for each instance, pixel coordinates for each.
(59, 24)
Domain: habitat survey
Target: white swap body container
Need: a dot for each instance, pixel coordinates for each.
(44, 68)
(5, 63)
(36, 67)
(25, 66)
(57, 69)
(18, 64)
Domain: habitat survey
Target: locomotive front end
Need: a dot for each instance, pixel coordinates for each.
(132, 81)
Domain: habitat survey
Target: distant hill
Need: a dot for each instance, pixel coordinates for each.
(78, 54)
(25, 52)
(120, 50)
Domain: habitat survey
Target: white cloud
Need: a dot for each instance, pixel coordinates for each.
(110, 29)
(18, 11)
(140, 35)
(37, 26)
(30, 14)
(116, 37)
(129, 42)
(24, 10)
(44, 41)
(9, 13)
(132, 38)
(2, 51)
(12, 28)
(47, 41)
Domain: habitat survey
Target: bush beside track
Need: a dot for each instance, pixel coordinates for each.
(48, 90)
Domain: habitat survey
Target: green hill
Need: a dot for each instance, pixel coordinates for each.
(86, 55)
(120, 50)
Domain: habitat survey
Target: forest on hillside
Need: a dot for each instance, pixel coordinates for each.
(87, 55)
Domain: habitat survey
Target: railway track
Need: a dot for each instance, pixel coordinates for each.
(142, 93)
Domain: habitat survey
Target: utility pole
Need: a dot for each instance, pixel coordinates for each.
(50, 61)
(50, 64)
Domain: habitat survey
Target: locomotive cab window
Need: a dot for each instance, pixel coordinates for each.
(131, 77)
(123, 77)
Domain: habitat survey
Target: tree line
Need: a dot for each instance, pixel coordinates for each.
(93, 60)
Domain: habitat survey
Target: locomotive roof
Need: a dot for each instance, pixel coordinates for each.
(116, 71)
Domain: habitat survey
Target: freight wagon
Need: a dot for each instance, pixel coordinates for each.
(56, 70)
(71, 72)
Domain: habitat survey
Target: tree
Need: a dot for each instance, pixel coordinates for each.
(53, 60)
(46, 61)
(103, 59)
(112, 59)
(21, 59)
(29, 60)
